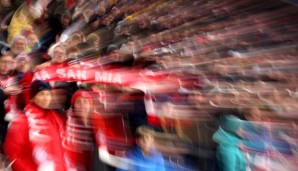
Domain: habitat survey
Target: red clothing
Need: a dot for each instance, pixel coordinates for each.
(79, 143)
(23, 99)
(35, 138)
(70, 3)
(112, 130)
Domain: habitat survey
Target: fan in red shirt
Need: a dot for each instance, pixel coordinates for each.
(8, 90)
(79, 140)
(34, 139)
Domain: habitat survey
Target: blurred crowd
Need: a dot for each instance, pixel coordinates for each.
(209, 85)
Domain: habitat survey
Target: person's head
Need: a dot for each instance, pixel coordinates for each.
(30, 36)
(74, 40)
(94, 1)
(80, 2)
(254, 115)
(19, 45)
(32, 39)
(40, 94)
(57, 53)
(101, 10)
(65, 19)
(81, 102)
(230, 123)
(84, 46)
(7, 62)
(5, 3)
(22, 63)
(93, 39)
(125, 29)
(152, 38)
(115, 11)
(72, 53)
(144, 138)
(113, 52)
(94, 22)
(143, 23)
(196, 98)
(88, 13)
(167, 37)
(165, 23)
(107, 20)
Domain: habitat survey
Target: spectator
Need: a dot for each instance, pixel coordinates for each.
(57, 53)
(6, 90)
(72, 53)
(19, 22)
(32, 40)
(78, 141)
(119, 58)
(144, 157)
(22, 65)
(39, 144)
(93, 39)
(19, 45)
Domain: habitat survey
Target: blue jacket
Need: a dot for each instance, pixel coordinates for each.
(153, 162)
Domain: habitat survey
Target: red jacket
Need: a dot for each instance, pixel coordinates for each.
(35, 138)
(112, 131)
(78, 143)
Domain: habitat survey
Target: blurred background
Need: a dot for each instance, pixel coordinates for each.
(214, 82)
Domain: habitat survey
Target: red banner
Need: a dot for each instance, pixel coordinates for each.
(116, 76)
(108, 76)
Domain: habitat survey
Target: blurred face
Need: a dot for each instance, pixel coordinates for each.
(22, 66)
(255, 115)
(80, 2)
(153, 38)
(125, 31)
(167, 38)
(95, 43)
(43, 99)
(95, 24)
(5, 3)
(58, 55)
(65, 21)
(89, 13)
(32, 39)
(165, 24)
(142, 23)
(115, 11)
(6, 64)
(107, 21)
(114, 55)
(101, 10)
(145, 142)
(82, 107)
(73, 42)
(72, 54)
(196, 99)
(18, 47)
